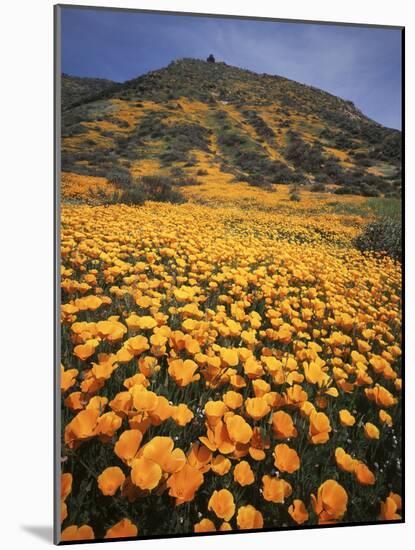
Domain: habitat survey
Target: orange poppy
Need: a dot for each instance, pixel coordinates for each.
(184, 483)
(243, 473)
(298, 511)
(283, 425)
(122, 529)
(145, 473)
(222, 504)
(249, 517)
(73, 532)
(275, 489)
(286, 459)
(110, 480)
(331, 502)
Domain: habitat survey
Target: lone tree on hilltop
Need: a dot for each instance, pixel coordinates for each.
(210, 59)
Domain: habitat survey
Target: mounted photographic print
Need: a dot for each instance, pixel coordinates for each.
(228, 274)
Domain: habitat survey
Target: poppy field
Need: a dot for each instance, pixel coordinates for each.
(229, 363)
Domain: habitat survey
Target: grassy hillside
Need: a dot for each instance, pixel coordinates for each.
(256, 128)
(76, 90)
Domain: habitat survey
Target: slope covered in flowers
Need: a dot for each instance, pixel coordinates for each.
(227, 365)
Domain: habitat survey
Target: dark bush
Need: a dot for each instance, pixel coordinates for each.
(303, 155)
(261, 127)
(177, 172)
(134, 195)
(120, 177)
(383, 235)
(160, 188)
(202, 172)
(318, 188)
(173, 155)
(258, 180)
(186, 181)
(346, 191)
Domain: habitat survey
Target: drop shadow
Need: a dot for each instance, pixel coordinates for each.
(42, 532)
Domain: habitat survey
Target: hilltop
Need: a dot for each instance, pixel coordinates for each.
(194, 119)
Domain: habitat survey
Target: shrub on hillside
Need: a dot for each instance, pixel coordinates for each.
(161, 189)
(318, 188)
(135, 195)
(120, 177)
(383, 235)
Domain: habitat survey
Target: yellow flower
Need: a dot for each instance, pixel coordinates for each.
(229, 357)
(183, 372)
(136, 345)
(73, 533)
(298, 511)
(84, 351)
(81, 427)
(221, 465)
(390, 506)
(233, 399)
(363, 475)
(110, 480)
(346, 419)
(344, 461)
(319, 429)
(275, 490)
(222, 504)
(283, 425)
(128, 444)
(239, 430)
(68, 378)
(371, 431)
(385, 418)
(243, 473)
(381, 396)
(184, 483)
(257, 407)
(330, 504)
(286, 459)
(199, 457)
(182, 415)
(214, 411)
(249, 517)
(204, 526)
(143, 399)
(145, 473)
(122, 529)
(160, 450)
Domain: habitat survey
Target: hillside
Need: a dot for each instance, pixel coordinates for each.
(193, 119)
(76, 90)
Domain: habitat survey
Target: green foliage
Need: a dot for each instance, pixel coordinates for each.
(386, 207)
(134, 195)
(76, 89)
(303, 155)
(161, 189)
(383, 235)
(261, 127)
(318, 188)
(120, 177)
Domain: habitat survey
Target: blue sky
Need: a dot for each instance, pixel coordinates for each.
(355, 63)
